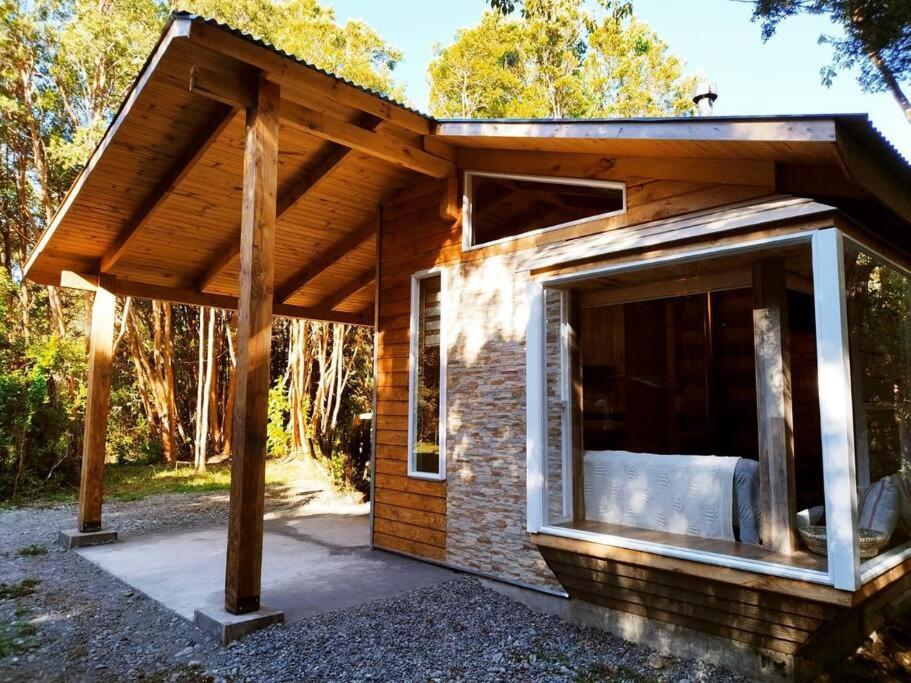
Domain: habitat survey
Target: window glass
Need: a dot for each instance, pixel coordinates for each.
(879, 337)
(654, 404)
(505, 206)
(426, 438)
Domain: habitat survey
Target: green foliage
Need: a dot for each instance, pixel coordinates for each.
(558, 59)
(39, 415)
(309, 30)
(65, 67)
(34, 550)
(876, 39)
(278, 439)
(24, 588)
(17, 637)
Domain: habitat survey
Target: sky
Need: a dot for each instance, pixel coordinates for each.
(714, 37)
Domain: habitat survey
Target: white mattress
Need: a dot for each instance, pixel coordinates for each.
(679, 494)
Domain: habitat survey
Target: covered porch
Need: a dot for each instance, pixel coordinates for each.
(236, 177)
(317, 562)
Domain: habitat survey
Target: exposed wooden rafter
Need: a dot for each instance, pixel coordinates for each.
(349, 289)
(306, 183)
(237, 92)
(377, 145)
(181, 168)
(324, 261)
(306, 80)
(191, 297)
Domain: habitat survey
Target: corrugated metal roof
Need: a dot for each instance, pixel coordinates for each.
(260, 42)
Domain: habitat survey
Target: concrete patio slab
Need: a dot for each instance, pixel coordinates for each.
(226, 627)
(311, 565)
(73, 538)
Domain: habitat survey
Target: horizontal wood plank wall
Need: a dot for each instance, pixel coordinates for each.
(817, 634)
(760, 618)
(409, 514)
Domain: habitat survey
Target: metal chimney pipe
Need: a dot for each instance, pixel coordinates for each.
(704, 97)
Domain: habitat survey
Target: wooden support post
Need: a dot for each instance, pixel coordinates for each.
(254, 342)
(773, 397)
(97, 405)
(574, 320)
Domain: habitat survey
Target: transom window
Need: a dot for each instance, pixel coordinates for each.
(503, 206)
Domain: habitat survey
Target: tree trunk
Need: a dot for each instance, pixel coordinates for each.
(892, 84)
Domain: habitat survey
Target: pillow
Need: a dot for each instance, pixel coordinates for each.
(879, 506)
(811, 516)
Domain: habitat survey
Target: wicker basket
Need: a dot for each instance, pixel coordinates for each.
(870, 542)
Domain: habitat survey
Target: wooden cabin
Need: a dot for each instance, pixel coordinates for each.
(642, 363)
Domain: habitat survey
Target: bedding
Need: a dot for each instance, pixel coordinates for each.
(679, 494)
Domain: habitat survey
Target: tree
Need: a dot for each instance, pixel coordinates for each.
(558, 59)
(65, 67)
(308, 30)
(877, 39)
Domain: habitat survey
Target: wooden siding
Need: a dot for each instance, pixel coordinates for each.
(409, 514)
(814, 624)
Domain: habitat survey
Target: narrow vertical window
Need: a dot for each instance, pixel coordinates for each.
(427, 381)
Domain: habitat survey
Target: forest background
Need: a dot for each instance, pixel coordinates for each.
(65, 66)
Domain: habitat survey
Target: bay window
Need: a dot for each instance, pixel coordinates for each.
(745, 406)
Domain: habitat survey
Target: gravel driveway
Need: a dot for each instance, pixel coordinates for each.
(61, 618)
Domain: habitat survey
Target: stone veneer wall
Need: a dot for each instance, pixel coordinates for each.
(486, 316)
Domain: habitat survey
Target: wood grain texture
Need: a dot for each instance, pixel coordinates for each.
(410, 514)
(774, 410)
(693, 595)
(97, 406)
(254, 335)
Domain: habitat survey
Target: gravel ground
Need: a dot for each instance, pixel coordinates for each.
(79, 624)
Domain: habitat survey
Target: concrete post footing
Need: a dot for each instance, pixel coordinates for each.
(225, 627)
(73, 538)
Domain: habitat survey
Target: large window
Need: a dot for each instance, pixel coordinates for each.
(700, 406)
(427, 383)
(879, 332)
(503, 206)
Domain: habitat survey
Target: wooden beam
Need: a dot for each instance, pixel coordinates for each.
(71, 280)
(576, 411)
(450, 199)
(306, 183)
(377, 145)
(205, 138)
(324, 261)
(878, 178)
(223, 86)
(621, 168)
(191, 297)
(254, 343)
(785, 129)
(349, 289)
(97, 405)
(774, 410)
(307, 80)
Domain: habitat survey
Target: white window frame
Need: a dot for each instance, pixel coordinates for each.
(414, 337)
(468, 203)
(836, 421)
